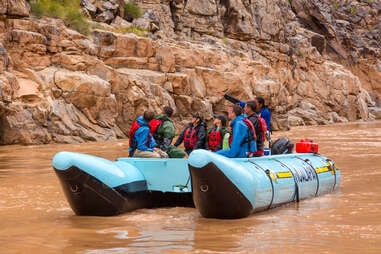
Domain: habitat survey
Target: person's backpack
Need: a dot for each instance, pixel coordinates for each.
(282, 146)
(251, 133)
(132, 143)
(154, 125)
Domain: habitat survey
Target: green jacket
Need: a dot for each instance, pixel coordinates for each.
(164, 133)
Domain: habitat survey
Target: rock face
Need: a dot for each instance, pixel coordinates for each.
(57, 85)
(14, 8)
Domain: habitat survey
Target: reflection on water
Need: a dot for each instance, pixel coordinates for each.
(35, 216)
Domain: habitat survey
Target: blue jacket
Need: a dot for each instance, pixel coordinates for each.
(240, 132)
(141, 136)
(265, 114)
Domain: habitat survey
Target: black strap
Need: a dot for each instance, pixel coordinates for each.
(316, 174)
(296, 198)
(132, 152)
(267, 171)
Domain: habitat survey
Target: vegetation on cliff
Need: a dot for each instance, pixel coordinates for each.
(133, 10)
(67, 10)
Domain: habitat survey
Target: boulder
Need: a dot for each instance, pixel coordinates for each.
(14, 8)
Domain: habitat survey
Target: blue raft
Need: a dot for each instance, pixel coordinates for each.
(222, 187)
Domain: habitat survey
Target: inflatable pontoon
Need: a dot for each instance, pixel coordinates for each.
(226, 188)
(222, 187)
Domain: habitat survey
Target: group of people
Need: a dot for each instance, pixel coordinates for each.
(151, 136)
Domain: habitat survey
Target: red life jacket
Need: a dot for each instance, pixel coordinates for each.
(214, 139)
(135, 126)
(251, 133)
(263, 125)
(154, 125)
(190, 138)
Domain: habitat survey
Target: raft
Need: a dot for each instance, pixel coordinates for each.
(226, 188)
(222, 187)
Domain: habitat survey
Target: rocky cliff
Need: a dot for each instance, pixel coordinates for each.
(315, 62)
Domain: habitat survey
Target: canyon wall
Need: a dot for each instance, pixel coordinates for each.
(314, 62)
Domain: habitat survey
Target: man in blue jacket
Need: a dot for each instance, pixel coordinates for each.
(243, 141)
(262, 110)
(142, 143)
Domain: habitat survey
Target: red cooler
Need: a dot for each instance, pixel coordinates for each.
(307, 146)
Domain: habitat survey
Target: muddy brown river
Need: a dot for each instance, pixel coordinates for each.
(35, 217)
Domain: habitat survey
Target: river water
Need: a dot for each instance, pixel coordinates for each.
(35, 217)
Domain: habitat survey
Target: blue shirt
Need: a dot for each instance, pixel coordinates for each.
(142, 135)
(239, 149)
(265, 114)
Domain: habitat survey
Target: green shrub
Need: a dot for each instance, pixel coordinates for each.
(133, 11)
(68, 10)
(77, 21)
(353, 10)
(55, 10)
(137, 31)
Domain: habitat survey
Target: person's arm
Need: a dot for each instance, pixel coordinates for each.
(201, 134)
(141, 138)
(167, 130)
(180, 138)
(266, 115)
(234, 100)
(239, 133)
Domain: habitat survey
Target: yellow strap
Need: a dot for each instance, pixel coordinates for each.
(284, 175)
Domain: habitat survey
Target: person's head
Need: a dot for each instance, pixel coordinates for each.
(237, 110)
(250, 108)
(260, 103)
(168, 111)
(148, 115)
(219, 120)
(196, 118)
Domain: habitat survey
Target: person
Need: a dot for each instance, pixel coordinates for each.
(262, 110)
(163, 131)
(226, 141)
(243, 140)
(259, 126)
(142, 143)
(215, 136)
(194, 135)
